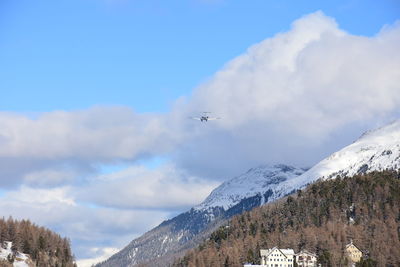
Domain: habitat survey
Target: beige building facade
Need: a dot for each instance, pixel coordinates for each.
(353, 253)
(276, 257)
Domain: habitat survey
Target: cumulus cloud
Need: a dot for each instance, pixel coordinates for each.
(51, 147)
(314, 75)
(99, 133)
(305, 92)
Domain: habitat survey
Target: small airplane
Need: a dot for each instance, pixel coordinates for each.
(204, 117)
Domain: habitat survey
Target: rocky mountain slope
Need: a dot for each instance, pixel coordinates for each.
(375, 150)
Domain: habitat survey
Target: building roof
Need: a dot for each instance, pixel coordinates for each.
(286, 252)
(306, 252)
(352, 245)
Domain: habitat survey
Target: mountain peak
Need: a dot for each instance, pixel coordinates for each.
(375, 150)
(389, 130)
(256, 181)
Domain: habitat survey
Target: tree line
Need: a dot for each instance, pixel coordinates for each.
(45, 247)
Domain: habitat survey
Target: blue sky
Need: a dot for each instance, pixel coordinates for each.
(73, 54)
(95, 140)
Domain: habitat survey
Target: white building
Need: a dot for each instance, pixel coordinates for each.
(306, 259)
(276, 257)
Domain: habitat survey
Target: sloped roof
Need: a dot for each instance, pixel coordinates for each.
(306, 252)
(352, 245)
(285, 252)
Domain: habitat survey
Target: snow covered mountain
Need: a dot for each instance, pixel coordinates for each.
(172, 237)
(256, 181)
(375, 150)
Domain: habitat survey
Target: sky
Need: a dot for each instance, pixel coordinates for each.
(95, 140)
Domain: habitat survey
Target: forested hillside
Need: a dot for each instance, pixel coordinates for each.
(44, 247)
(322, 219)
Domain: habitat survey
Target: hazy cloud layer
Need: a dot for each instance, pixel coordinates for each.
(137, 187)
(293, 98)
(97, 134)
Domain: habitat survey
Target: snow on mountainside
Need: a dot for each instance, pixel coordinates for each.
(256, 181)
(375, 150)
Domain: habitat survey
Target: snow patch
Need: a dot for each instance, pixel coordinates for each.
(20, 258)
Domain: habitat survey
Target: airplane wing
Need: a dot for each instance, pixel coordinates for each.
(195, 118)
(211, 119)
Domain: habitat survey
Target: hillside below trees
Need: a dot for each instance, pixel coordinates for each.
(321, 218)
(44, 247)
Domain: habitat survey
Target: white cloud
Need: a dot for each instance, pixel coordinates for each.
(64, 143)
(99, 133)
(101, 255)
(304, 92)
(139, 187)
(39, 197)
(311, 79)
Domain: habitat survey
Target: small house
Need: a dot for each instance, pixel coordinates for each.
(306, 259)
(353, 253)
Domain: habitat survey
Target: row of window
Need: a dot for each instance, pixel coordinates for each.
(272, 259)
